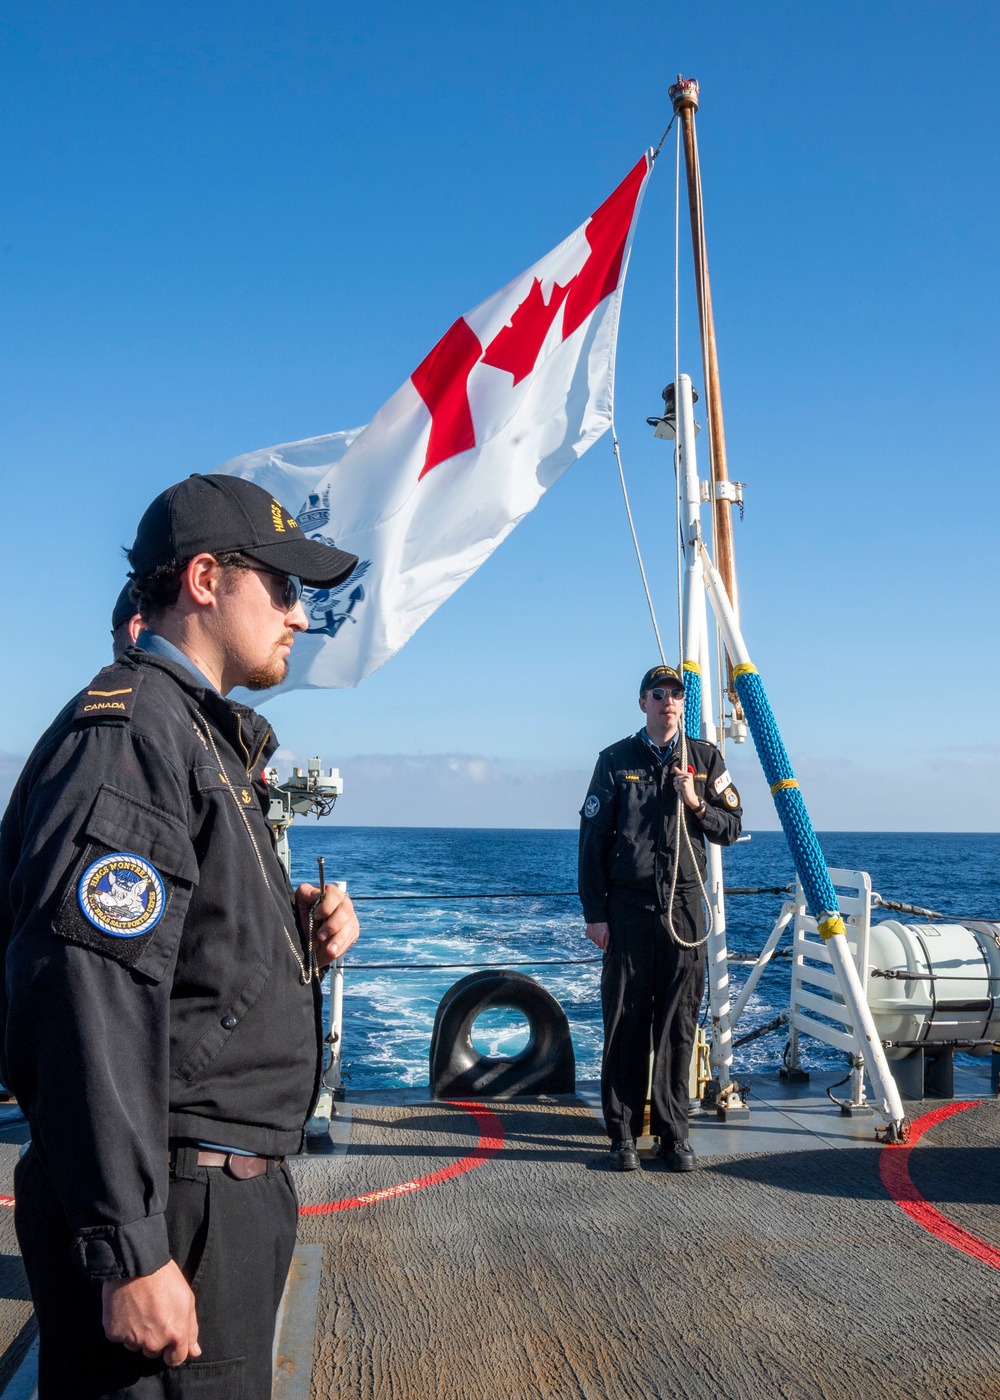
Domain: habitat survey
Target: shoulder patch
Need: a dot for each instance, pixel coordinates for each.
(110, 695)
(731, 797)
(592, 806)
(722, 782)
(122, 895)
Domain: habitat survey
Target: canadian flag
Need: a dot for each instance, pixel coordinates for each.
(512, 394)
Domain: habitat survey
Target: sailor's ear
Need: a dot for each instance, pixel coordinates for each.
(201, 579)
(642, 703)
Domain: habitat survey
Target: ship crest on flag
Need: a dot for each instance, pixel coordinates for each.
(329, 608)
(315, 513)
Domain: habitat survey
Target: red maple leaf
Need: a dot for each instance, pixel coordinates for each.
(442, 381)
(515, 348)
(607, 233)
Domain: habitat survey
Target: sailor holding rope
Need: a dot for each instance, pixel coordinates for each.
(653, 801)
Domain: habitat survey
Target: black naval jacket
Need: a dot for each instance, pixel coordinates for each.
(197, 1027)
(628, 825)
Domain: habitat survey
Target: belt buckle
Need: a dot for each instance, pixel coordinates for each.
(243, 1168)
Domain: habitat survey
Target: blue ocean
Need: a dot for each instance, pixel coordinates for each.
(389, 1010)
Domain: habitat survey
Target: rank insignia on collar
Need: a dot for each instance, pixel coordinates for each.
(121, 895)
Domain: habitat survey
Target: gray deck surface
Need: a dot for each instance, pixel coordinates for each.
(784, 1272)
(17, 1321)
(542, 1274)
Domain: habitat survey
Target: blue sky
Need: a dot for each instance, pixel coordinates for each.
(228, 225)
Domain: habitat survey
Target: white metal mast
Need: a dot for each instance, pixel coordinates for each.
(698, 651)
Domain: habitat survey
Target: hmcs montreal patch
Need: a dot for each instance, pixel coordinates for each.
(122, 895)
(592, 806)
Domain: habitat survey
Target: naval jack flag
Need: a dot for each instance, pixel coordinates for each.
(512, 394)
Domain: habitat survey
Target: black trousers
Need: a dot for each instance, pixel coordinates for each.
(649, 985)
(234, 1242)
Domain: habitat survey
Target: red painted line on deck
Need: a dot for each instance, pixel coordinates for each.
(894, 1169)
(491, 1138)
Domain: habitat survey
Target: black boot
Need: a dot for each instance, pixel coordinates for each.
(677, 1156)
(624, 1157)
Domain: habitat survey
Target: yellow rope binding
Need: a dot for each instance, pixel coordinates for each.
(745, 668)
(783, 783)
(691, 666)
(831, 926)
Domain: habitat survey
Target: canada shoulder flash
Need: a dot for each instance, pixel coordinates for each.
(592, 806)
(122, 895)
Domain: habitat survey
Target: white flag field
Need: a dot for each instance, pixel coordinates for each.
(512, 395)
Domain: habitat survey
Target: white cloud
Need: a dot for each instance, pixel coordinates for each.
(947, 787)
(951, 788)
(453, 789)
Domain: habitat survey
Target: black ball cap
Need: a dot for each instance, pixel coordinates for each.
(217, 514)
(123, 609)
(656, 675)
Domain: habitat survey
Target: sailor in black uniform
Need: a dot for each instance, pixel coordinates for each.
(126, 624)
(632, 855)
(161, 1015)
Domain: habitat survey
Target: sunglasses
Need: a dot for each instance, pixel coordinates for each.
(660, 694)
(291, 590)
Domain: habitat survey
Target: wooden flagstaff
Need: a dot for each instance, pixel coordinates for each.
(684, 96)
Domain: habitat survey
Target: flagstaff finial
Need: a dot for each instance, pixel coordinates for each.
(684, 93)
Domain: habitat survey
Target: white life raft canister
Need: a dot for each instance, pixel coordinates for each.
(942, 987)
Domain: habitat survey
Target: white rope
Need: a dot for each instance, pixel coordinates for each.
(682, 825)
(679, 541)
(635, 542)
(721, 664)
(681, 821)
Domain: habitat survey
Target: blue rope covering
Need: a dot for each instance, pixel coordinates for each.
(805, 849)
(692, 704)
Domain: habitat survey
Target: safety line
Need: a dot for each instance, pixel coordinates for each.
(894, 1169)
(491, 1140)
(556, 893)
(635, 540)
(440, 967)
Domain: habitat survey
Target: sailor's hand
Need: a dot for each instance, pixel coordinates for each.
(334, 922)
(684, 784)
(154, 1314)
(599, 934)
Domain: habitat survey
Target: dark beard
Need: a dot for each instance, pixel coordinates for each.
(267, 676)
